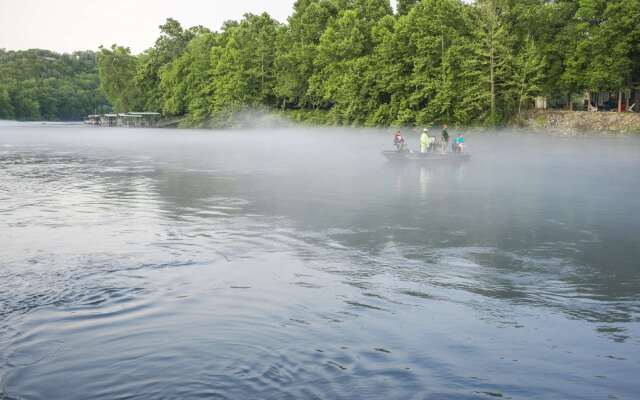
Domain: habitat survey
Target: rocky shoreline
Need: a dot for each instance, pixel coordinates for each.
(580, 122)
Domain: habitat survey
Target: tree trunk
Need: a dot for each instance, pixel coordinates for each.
(442, 51)
(627, 94)
(521, 98)
(520, 106)
(493, 83)
(619, 100)
(262, 75)
(569, 103)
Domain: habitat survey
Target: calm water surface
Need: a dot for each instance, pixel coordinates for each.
(290, 264)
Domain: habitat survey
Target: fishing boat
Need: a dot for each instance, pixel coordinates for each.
(410, 156)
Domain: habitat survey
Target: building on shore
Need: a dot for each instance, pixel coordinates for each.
(621, 101)
(626, 100)
(139, 119)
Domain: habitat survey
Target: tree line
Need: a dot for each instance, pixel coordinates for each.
(43, 85)
(348, 62)
(358, 62)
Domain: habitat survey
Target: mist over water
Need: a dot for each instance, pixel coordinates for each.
(297, 263)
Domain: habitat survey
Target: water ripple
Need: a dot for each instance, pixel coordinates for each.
(159, 271)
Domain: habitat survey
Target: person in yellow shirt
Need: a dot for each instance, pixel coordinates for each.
(425, 141)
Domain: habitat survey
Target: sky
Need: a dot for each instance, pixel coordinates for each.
(69, 25)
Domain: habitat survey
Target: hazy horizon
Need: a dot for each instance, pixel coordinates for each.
(74, 25)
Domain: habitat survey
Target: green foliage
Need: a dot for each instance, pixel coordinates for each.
(117, 69)
(404, 6)
(243, 67)
(436, 30)
(42, 85)
(487, 67)
(6, 105)
(355, 62)
(607, 50)
(185, 81)
(528, 67)
(173, 41)
(297, 48)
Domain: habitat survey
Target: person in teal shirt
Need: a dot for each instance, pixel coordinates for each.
(460, 143)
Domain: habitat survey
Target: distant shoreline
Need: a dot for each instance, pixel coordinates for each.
(5, 122)
(554, 122)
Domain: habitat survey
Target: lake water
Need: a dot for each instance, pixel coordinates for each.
(299, 264)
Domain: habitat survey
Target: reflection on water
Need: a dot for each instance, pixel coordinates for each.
(284, 264)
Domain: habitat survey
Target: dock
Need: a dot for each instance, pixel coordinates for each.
(128, 120)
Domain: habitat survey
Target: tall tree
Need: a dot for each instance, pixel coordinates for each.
(243, 73)
(297, 48)
(343, 60)
(169, 46)
(528, 73)
(436, 31)
(117, 68)
(185, 81)
(488, 68)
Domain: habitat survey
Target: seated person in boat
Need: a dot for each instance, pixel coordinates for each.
(399, 141)
(458, 144)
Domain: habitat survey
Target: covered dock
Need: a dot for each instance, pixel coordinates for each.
(139, 119)
(109, 120)
(129, 119)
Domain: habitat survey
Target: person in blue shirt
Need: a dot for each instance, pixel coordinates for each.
(459, 144)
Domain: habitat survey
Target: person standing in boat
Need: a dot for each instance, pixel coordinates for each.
(399, 141)
(425, 141)
(445, 137)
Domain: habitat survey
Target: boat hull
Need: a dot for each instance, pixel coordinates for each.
(397, 156)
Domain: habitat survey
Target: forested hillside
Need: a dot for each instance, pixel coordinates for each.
(359, 62)
(42, 85)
